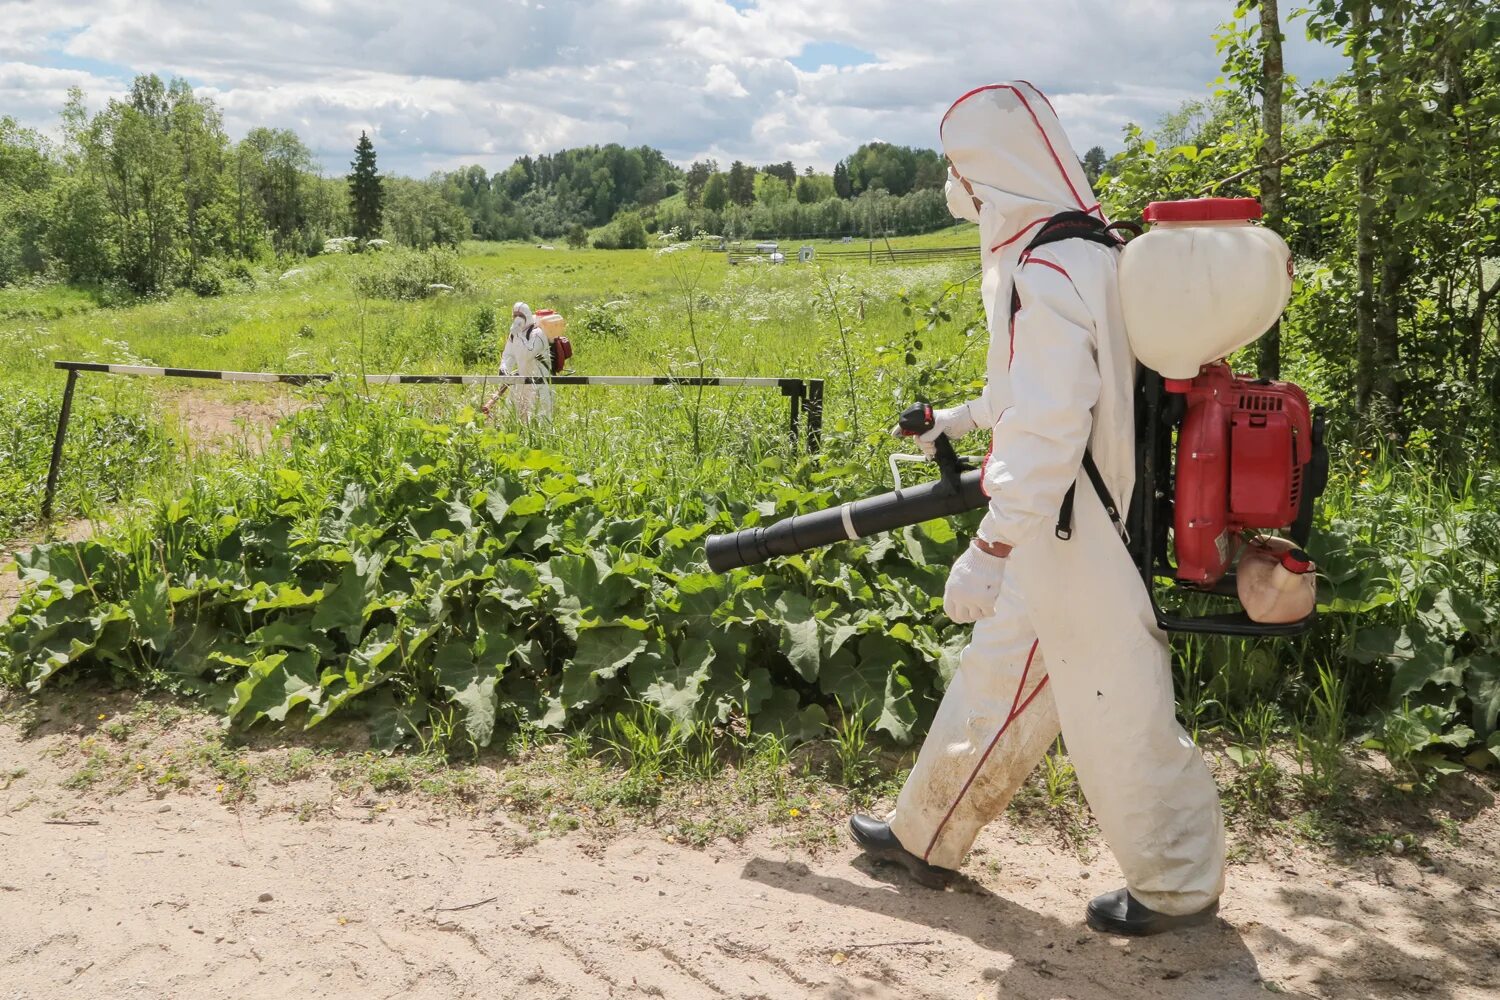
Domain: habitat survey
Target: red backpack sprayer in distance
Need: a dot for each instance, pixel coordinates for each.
(1249, 453)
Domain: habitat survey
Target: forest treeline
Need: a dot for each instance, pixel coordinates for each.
(151, 192)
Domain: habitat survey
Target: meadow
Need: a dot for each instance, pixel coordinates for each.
(454, 582)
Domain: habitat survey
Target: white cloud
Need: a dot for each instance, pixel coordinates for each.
(722, 82)
(446, 82)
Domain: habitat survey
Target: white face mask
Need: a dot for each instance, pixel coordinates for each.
(960, 201)
(517, 325)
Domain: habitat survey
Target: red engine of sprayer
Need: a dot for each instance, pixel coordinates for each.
(1242, 454)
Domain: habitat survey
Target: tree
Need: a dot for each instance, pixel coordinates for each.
(1272, 82)
(578, 236)
(281, 182)
(26, 174)
(1094, 162)
(697, 176)
(785, 171)
(813, 188)
(716, 193)
(741, 183)
(365, 195)
(198, 133)
(417, 215)
(842, 186)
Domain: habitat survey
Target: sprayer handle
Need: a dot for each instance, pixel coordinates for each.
(918, 419)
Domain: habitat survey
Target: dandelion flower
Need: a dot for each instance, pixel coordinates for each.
(219, 788)
(794, 812)
(103, 716)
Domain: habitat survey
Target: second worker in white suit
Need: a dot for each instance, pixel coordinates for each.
(1064, 635)
(526, 352)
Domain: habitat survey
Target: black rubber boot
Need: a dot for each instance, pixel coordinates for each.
(1119, 912)
(880, 844)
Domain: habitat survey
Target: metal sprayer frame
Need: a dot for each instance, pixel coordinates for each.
(804, 395)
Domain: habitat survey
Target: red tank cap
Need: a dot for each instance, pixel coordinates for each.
(1296, 561)
(1203, 210)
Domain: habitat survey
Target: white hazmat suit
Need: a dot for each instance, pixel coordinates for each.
(527, 353)
(1072, 643)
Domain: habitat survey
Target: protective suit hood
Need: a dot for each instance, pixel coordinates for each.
(1006, 143)
(521, 317)
(1011, 168)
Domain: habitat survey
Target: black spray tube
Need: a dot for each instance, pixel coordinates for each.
(869, 516)
(958, 490)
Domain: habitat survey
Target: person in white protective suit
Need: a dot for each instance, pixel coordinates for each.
(526, 353)
(1064, 635)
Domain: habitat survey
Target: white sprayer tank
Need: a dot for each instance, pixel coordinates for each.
(552, 323)
(1203, 282)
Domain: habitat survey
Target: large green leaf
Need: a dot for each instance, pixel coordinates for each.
(586, 586)
(472, 688)
(673, 683)
(602, 653)
(151, 611)
(799, 634)
(275, 685)
(1482, 680)
(781, 715)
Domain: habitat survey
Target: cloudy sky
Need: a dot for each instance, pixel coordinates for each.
(441, 83)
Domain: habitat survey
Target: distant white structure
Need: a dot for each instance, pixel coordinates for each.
(777, 257)
(805, 255)
(766, 247)
(437, 287)
(293, 273)
(377, 244)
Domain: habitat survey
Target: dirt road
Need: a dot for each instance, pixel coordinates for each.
(136, 895)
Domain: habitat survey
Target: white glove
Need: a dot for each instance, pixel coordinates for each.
(973, 586)
(954, 422)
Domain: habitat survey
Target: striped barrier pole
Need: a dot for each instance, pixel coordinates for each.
(804, 396)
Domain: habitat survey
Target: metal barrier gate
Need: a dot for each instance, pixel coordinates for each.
(804, 396)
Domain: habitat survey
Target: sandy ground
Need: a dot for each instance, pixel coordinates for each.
(146, 894)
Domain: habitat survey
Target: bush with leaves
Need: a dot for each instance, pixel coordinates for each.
(480, 342)
(403, 274)
(398, 568)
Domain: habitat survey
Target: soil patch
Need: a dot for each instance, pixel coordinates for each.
(139, 886)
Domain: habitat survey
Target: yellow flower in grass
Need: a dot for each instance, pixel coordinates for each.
(794, 812)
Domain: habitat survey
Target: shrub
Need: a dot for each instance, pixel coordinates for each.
(479, 344)
(599, 320)
(578, 236)
(404, 274)
(208, 278)
(627, 232)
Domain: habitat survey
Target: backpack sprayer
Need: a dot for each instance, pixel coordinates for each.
(1249, 453)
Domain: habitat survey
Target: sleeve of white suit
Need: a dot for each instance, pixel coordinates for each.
(1038, 442)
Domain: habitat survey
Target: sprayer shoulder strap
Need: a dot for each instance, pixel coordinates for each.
(1065, 512)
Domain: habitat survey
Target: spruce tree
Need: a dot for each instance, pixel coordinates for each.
(364, 190)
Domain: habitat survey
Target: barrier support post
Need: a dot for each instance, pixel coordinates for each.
(814, 406)
(57, 444)
(796, 392)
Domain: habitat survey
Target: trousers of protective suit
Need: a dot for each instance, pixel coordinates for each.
(1073, 647)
